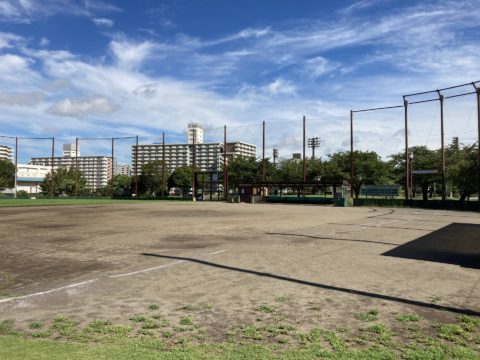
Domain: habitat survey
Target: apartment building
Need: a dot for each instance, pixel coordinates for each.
(6, 152)
(97, 170)
(123, 169)
(208, 156)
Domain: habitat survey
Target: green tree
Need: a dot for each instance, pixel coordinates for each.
(423, 159)
(7, 174)
(64, 182)
(369, 169)
(181, 178)
(122, 185)
(462, 168)
(151, 180)
(243, 170)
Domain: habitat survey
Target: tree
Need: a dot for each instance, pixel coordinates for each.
(243, 170)
(122, 185)
(151, 178)
(64, 182)
(181, 178)
(423, 159)
(463, 170)
(369, 169)
(7, 174)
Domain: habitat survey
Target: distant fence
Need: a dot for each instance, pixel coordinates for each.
(430, 204)
(380, 190)
(306, 200)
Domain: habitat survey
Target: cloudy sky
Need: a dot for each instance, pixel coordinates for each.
(92, 68)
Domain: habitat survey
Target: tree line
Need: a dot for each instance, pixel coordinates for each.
(462, 174)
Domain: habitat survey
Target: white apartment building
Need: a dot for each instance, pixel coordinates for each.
(208, 156)
(6, 152)
(123, 169)
(97, 170)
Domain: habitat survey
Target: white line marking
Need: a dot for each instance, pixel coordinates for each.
(146, 270)
(93, 280)
(48, 291)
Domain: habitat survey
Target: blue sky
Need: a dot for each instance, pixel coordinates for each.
(118, 68)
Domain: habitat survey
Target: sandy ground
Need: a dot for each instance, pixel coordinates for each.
(111, 261)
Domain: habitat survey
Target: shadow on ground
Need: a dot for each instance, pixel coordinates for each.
(322, 286)
(457, 244)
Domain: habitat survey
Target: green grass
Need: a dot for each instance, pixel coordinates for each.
(49, 202)
(267, 308)
(408, 317)
(370, 315)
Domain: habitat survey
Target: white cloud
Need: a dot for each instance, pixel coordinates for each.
(44, 41)
(84, 107)
(7, 40)
(280, 86)
(129, 54)
(23, 99)
(318, 66)
(103, 22)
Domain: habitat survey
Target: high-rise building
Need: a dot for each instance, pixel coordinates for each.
(123, 169)
(195, 133)
(208, 156)
(6, 152)
(97, 170)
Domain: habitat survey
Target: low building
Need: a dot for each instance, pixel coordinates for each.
(30, 177)
(6, 152)
(97, 170)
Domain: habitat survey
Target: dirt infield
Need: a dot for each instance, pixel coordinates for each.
(112, 261)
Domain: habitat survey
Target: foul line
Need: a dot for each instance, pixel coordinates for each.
(96, 279)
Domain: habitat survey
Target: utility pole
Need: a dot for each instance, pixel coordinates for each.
(225, 175)
(351, 153)
(194, 160)
(263, 158)
(113, 164)
(53, 164)
(16, 166)
(304, 156)
(407, 181)
(163, 164)
(478, 124)
(314, 143)
(136, 166)
(442, 154)
(76, 167)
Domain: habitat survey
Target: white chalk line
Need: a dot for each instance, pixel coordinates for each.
(94, 280)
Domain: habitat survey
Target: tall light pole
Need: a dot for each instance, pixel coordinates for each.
(314, 143)
(275, 156)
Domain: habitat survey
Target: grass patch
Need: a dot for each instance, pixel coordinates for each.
(186, 320)
(153, 307)
(252, 332)
(282, 299)
(370, 315)
(35, 325)
(408, 317)
(267, 308)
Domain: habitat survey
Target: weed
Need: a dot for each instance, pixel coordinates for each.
(408, 317)
(151, 324)
(42, 334)
(450, 332)
(167, 334)
(139, 318)
(147, 332)
(189, 308)
(370, 315)
(186, 320)
(35, 325)
(252, 332)
(6, 327)
(282, 299)
(267, 308)
(99, 326)
(435, 299)
(342, 329)
(153, 307)
(64, 326)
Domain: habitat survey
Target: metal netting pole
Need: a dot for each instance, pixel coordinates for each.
(225, 175)
(442, 150)
(136, 166)
(351, 153)
(163, 163)
(76, 167)
(113, 165)
(53, 165)
(16, 167)
(407, 180)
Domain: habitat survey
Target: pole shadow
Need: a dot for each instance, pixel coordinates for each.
(457, 244)
(334, 239)
(324, 286)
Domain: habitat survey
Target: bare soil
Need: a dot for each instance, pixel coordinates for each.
(112, 261)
